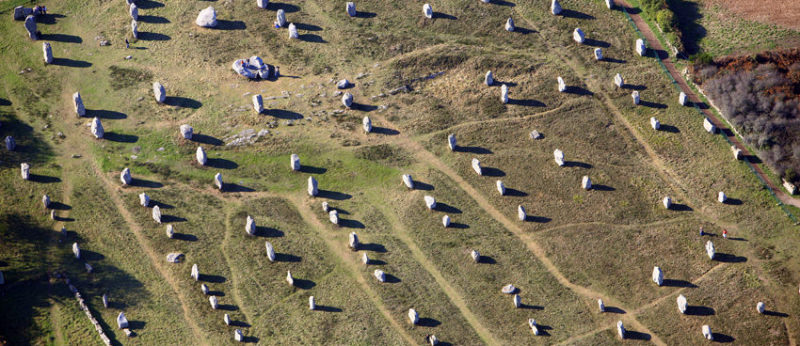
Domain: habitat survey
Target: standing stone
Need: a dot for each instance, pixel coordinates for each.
(262, 3)
(280, 19)
(170, 232)
(451, 142)
(427, 11)
(534, 327)
(709, 126)
(343, 84)
(204, 289)
(201, 156)
(270, 252)
(476, 256)
(97, 128)
(135, 28)
(186, 131)
(350, 7)
(508, 289)
(174, 257)
(122, 321)
(218, 181)
(353, 242)
(11, 144)
(476, 166)
(237, 335)
(294, 162)
(682, 304)
(333, 216)
(635, 97)
(654, 123)
(721, 197)
(293, 31)
(446, 221)
(159, 93)
(618, 81)
(144, 199)
(227, 318)
(105, 300)
(48, 53)
(517, 301)
(555, 8)
(408, 181)
(667, 202)
(125, 176)
(25, 170)
(710, 250)
(207, 18)
(501, 188)
(578, 35)
(562, 86)
(413, 316)
(53, 214)
(488, 79)
(77, 103)
(601, 306)
(586, 183)
(598, 54)
(366, 123)
(30, 26)
(658, 276)
(195, 272)
(504, 94)
(347, 100)
(380, 275)
(641, 49)
(134, 11)
(521, 214)
(430, 202)
(620, 330)
(76, 250)
(683, 99)
(707, 332)
(213, 301)
(258, 103)
(325, 207)
(157, 214)
(760, 307)
(558, 155)
(365, 259)
(609, 4)
(289, 278)
(20, 12)
(311, 304)
(510, 25)
(313, 189)
(250, 226)
(46, 201)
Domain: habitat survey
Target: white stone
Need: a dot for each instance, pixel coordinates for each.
(313, 189)
(333, 216)
(159, 92)
(682, 304)
(311, 304)
(280, 18)
(122, 321)
(555, 7)
(262, 3)
(521, 215)
(77, 103)
(738, 154)
(446, 221)
(601, 306)
(489, 78)
(201, 156)
(157, 214)
(47, 52)
(504, 94)
(609, 4)
(709, 126)
(618, 81)
(534, 327)
(226, 319)
(350, 8)
(238, 336)
(325, 207)
(510, 24)
(353, 241)
(430, 202)
(683, 99)
(365, 259)
(294, 162)
(451, 142)
(76, 250)
(476, 256)
(144, 199)
(641, 48)
(558, 155)
(175, 257)
(721, 197)
(654, 123)
(134, 11)
(366, 124)
(620, 330)
(270, 251)
(186, 131)
(293, 31)
(427, 11)
(586, 183)
(135, 28)
(578, 35)
(207, 18)
(476, 166)
(170, 232)
(347, 100)
(707, 332)
(500, 187)
(380, 275)
(635, 97)
(658, 276)
(562, 86)
(289, 278)
(508, 289)
(218, 181)
(250, 225)
(710, 250)
(598, 54)
(413, 316)
(97, 128)
(258, 103)
(343, 84)
(667, 202)
(517, 301)
(195, 272)
(760, 307)
(46, 201)
(408, 181)
(433, 340)
(25, 170)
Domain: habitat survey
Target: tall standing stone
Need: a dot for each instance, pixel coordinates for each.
(350, 7)
(258, 103)
(30, 27)
(77, 103)
(159, 93)
(48, 53)
(97, 128)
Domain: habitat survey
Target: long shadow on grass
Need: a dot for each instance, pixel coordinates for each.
(227, 307)
(349, 223)
(566, 13)
(440, 15)
(49, 18)
(285, 257)
(616, 61)
(312, 169)
(537, 219)
(148, 4)
(363, 107)
(634, 87)
(146, 183)
(652, 104)
(304, 284)
(728, 258)
(288, 8)
(221, 163)
(120, 137)
(184, 237)
(59, 206)
(473, 150)
(206, 139)
(336, 196)
(732, 201)
(307, 27)
(418, 185)
(524, 31)
(105, 114)
(161, 205)
(596, 43)
(171, 219)
(385, 131)
(428, 322)
(492, 172)
(456, 225)
(723, 338)
(531, 307)
(44, 179)
(374, 247)
(601, 187)
(633, 335)
(325, 308)
(312, 38)
(153, 19)
(503, 3)
(4, 102)
(183, 102)
(677, 283)
(514, 193)
(577, 164)
(389, 278)
(71, 63)
(680, 207)
(268, 232)
(217, 279)
(696, 310)
(61, 38)
(775, 313)
(230, 25)
(364, 14)
(669, 128)
(576, 90)
(446, 208)
(153, 36)
(526, 103)
(283, 114)
(613, 310)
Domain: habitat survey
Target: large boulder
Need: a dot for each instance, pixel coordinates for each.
(30, 27)
(159, 92)
(122, 321)
(280, 18)
(207, 18)
(186, 131)
(201, 156)
(97, 128)
(347, 100)
(293, 31)
(125, 176)
(578, 35)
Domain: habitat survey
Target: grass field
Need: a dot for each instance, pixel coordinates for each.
(575, 247)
